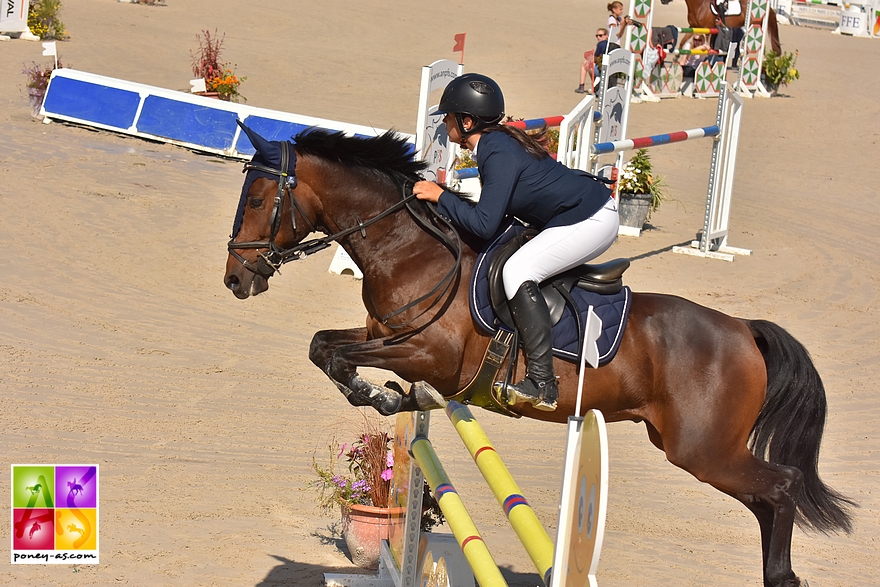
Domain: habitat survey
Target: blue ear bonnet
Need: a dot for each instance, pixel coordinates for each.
(272, 161)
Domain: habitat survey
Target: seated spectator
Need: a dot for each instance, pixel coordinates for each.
(593, 61)
(689, 63)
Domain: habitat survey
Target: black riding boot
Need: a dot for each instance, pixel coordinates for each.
(532, 319)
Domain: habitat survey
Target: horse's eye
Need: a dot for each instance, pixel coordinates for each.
(256, 203)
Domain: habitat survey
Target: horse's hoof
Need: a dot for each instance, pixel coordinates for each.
(427, 398)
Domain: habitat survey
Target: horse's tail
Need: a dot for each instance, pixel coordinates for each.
(789, 428)
(773, 30)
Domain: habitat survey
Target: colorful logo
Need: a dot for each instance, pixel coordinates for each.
(54, 514)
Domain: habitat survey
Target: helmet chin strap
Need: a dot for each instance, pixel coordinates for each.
(459, 121)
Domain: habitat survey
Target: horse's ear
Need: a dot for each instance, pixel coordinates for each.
(270, 150)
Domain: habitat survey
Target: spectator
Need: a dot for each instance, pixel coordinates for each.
(689, 63)
(596, 65)
(616, 23)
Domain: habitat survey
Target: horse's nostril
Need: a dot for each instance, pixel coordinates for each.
(232, 282)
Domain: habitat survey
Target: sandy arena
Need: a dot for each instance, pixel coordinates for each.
(119, 344)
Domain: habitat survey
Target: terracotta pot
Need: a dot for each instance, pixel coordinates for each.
(633, 209)
(364, 528)
(215, 95)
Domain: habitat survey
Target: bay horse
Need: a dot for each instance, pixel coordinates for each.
(737, 403)
(700, 15)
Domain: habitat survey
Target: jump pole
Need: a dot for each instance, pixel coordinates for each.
(518, 511)
(466, 534)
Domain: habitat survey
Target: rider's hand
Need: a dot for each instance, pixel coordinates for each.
(427, 190)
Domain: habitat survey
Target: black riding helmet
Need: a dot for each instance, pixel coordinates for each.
(474, 95)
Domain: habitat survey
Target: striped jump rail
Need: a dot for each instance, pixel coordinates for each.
(697, 31)
(536, 123)
(520, 514)
(652, 141)
(531, 124)
(698, 52)
(469, 540)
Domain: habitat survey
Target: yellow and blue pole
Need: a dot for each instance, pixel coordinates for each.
(482, 564)
(520, 514)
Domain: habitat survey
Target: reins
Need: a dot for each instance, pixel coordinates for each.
(272, 260)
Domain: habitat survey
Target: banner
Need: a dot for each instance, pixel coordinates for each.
(432, 144)
(13, 16)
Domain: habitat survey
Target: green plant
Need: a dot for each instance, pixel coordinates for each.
(638, 178)
(465, 159)
(38, 75)
(43, 20)
(780, 70)
(226, 84)
(207, 64)
(206, 61)
(369, 461)
(360, 473)
(37, 83)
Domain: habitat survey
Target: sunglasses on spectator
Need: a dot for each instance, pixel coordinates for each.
(600, 35)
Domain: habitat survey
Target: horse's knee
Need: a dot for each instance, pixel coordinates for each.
(318, 349)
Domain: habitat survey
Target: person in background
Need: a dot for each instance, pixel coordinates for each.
(689, 63)
(574, 213)
(598, 52)
(617, 22)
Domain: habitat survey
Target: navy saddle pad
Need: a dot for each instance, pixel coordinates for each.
(612, 309)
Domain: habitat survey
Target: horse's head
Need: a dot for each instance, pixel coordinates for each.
(269, 219)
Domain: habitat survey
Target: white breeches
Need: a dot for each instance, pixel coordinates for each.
(560, 248)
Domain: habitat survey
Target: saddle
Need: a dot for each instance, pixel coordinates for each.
(569, 296)
(603, 279)
(725, 8)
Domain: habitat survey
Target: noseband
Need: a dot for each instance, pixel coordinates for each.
(271, 261)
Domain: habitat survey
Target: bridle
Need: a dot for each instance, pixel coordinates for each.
(271, 261)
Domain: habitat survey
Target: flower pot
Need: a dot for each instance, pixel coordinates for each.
(633, 209)
(35, 96)
(215, 95)
(364, 528)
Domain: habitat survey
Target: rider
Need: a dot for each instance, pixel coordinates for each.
(575, 214)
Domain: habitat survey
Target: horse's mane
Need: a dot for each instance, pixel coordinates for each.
(389, 153)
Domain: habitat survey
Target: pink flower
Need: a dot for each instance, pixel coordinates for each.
(389, 459)
(387, 474)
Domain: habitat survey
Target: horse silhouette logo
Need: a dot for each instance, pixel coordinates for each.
(75, 488)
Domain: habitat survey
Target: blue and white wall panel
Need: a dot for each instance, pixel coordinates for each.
(181, 118)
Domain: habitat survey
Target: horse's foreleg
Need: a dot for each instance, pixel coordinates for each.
(339, 352)
(321, 350)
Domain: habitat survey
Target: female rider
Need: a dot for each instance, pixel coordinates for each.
(575, 214)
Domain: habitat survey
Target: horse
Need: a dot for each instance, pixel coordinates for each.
(700, 15)
(737, 403)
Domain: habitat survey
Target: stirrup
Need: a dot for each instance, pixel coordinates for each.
(538, 400)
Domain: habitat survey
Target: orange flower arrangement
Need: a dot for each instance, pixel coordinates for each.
(226, 84)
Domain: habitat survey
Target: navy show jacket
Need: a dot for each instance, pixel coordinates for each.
(543, 193)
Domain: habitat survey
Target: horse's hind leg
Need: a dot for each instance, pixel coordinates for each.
(775, 511)
(770, 492)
